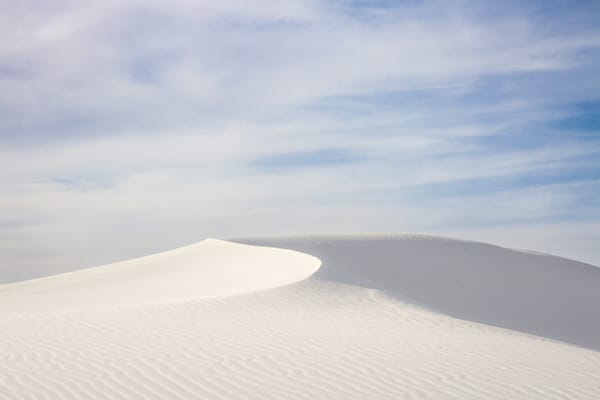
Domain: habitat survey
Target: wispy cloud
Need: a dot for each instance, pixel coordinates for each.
(127, 127)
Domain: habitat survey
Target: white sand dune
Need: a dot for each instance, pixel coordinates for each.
(211, 268)
(377, 320)
(534, 293)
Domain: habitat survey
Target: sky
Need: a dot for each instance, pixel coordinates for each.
(130, 127)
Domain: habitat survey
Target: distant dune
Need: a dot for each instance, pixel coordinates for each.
(320, 317)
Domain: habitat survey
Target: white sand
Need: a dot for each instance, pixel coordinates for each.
(211, 268)
(198, 323)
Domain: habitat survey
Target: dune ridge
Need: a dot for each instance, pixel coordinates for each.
(210, 268)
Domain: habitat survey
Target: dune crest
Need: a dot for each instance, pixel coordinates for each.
(211, 268)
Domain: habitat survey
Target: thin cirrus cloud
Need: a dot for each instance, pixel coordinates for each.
(131, 127)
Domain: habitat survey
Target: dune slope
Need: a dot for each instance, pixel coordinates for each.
(535, 293)
(210, 268)
(221, 320)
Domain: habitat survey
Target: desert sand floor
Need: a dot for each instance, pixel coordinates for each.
(383, 317)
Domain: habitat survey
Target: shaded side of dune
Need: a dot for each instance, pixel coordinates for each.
(539, 294)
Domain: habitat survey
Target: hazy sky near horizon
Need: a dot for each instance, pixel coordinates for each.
(128, 127)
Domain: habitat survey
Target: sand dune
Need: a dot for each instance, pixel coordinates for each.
(210, 268)
(377, 320)
(534, 293)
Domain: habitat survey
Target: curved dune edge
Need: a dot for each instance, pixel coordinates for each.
(211, 268)
(535, 293)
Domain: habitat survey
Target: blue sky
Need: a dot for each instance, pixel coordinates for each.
(130, 127)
